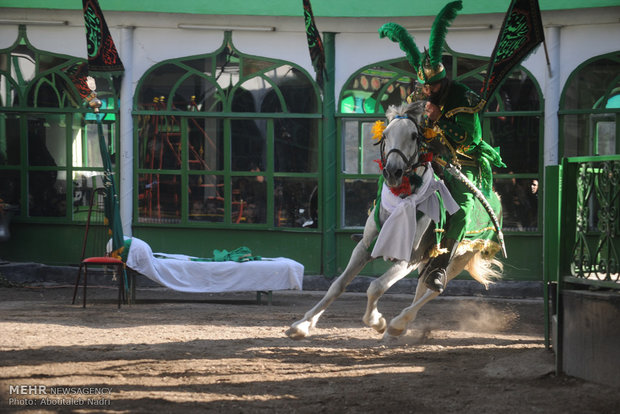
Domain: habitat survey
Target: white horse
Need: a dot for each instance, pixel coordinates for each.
(400, 153)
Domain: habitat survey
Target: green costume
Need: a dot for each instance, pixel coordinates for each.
(459, 127)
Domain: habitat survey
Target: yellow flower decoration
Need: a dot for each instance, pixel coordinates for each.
(429, 134)
(377, 130)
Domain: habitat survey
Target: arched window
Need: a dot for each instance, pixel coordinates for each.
(228, 139)
(511, 121)
(590, 108)
(49, 150)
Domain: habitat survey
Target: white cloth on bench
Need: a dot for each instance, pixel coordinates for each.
(178, 272)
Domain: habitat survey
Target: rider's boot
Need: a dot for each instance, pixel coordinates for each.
(434, 274)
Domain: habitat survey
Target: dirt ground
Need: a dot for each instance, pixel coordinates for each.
(180, 353)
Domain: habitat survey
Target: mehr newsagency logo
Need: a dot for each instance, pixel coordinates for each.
(42, 395)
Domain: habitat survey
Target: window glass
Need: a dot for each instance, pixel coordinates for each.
(519, 203)
(295, 202)
(23, 63)
(517, 92)
(295, 87)
(351, 146)
(370, 151)
(158, 83)
(8, 92)
(160, 198)
(205, 149)
(202, 64)
(47, 61)
(84, 183)
(10, 189)
(47, 137)
(159, 142)
(359, 197)
(47, 193)
(246, 100)
(249, 199)
(296, 145)
(10, 131)
(85, 143)
(194, 93)
(590, 134)
(62, 163)
(253, 65)
(206, 198)
(242, 154)
(248, 144)
(465, 66)
(518, 140)
(375, 89)
(593, 87)
(592, 81)
(52, 91)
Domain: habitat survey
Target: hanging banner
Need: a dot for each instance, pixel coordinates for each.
(102, 53)
(315, 44)
(78, 75)
(521, 32)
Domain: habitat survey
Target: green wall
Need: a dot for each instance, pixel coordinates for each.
(321, 8)
(524, 260)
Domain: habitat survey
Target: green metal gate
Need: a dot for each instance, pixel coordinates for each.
(581, 247)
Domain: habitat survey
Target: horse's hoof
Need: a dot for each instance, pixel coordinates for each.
(298, 331)
(295, 334)
(394, 332)
(381, 326)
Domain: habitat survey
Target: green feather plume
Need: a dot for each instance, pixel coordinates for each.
(440, 30)
(397, 33)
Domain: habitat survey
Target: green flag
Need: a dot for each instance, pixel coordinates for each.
(111, 202)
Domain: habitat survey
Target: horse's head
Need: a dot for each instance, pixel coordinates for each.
(400, 141)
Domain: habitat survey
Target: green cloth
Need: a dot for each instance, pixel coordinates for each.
(471, 221)
(240, 254)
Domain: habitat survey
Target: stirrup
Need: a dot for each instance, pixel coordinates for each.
(356, 237)
(436, 280)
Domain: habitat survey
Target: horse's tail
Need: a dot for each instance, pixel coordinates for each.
(484, 269)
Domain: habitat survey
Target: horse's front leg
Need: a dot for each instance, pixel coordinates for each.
(359, 258)
(373, 318)
(399, 324)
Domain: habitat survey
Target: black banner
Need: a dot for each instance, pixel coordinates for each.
(521, 32)
(102, 54)
(315, 44)
(78, 74)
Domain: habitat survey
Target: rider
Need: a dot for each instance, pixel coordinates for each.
(452, 121)
(452, 117)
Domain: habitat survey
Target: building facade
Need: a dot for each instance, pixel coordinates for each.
(221, 137)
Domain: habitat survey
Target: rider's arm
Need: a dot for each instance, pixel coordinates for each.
(461, 129)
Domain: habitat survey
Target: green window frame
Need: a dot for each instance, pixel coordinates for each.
(49, 153)
(590, 108)
(370, 90)
(227, 139)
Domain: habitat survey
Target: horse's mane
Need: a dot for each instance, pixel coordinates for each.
(413, 110)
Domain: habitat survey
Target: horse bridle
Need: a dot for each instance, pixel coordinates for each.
(409, 162)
